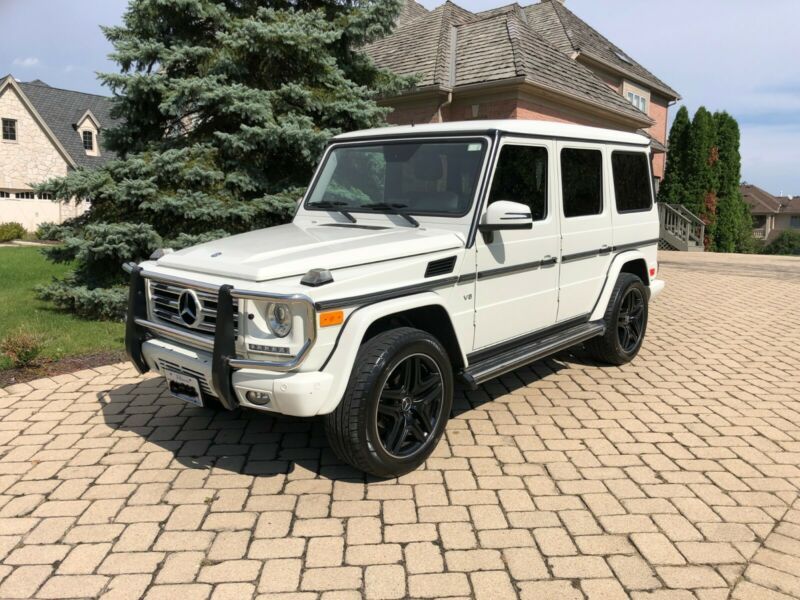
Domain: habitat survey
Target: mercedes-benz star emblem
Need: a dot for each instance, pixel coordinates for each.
(189, 308)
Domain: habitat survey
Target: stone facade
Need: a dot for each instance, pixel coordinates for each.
(35, 156)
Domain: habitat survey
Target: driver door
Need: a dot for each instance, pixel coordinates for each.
(516, 289)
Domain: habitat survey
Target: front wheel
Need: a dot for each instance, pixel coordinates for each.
(626, 323)
(396, 404)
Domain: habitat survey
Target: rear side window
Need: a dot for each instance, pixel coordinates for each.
(631, 181)
(582, 182)
(521, 176)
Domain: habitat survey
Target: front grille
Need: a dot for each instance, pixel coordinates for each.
(164, 298)
(165, 364)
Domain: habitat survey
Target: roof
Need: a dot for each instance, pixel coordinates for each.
(569, 33)
(550, 129)
(450, 47)
(790, 204)
(62, 109)
(762, 202)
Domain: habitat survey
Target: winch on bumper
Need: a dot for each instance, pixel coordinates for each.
(214, 364)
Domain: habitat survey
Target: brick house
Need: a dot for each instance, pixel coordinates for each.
(46, 132)
(772, 215)
(533, 62)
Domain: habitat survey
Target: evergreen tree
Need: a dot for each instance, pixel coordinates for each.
(734, 223)
(224, 108)
(673, 186)
(701, 184)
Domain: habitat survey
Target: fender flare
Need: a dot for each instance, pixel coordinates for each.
(343, 356)
(599, 310)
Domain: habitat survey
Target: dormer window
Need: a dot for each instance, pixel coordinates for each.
(88, 140)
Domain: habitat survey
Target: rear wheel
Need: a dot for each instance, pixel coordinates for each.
(396, 405)
(626, 323)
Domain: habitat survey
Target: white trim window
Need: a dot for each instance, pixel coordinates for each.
(88, 139)
(638, 101)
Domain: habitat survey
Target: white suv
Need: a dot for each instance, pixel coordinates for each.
(418, 256)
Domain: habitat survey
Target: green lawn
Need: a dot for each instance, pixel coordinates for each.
(22, 269)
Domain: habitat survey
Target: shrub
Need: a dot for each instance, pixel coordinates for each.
(22, 347)
(787, 243)
(48, 231)
(11, 231)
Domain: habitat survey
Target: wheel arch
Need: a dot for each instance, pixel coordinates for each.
(630, 261)
(425, 311)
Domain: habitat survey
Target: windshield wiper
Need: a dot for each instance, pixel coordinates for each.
(393, 209)
(336, 206)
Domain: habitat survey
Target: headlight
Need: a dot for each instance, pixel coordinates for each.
(279, 319)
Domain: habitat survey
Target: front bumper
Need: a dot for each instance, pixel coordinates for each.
(296, 394)
(218, 358)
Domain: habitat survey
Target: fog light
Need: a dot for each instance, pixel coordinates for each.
(259, 398)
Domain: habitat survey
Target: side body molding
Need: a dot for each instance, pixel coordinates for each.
(343, 356)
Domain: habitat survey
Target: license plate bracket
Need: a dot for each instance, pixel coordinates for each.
(184, 387)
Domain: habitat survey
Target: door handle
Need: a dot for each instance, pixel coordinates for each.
(549, 260)
(605, 249)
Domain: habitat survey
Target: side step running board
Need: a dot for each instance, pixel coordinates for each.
(511, 359)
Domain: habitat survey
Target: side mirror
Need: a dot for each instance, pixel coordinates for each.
(504, 214)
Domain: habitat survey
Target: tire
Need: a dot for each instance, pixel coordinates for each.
(614, 347)
(377, 408)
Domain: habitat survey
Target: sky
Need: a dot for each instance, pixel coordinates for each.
(734, 55)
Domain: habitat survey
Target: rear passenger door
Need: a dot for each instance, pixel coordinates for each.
(586, 230)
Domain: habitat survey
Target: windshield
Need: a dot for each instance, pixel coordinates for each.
(431, 177)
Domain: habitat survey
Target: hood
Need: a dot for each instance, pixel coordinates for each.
(289, 250)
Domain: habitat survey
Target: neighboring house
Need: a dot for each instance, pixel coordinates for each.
(771, 214)
(533, 62)
(46, 132)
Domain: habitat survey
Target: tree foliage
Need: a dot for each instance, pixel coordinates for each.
(673, 187)
(703, 173)
(224, 107)
(787, 243)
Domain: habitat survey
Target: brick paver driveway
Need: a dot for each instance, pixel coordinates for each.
(673, 477)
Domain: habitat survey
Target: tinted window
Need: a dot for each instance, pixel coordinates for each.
(582, 182)
(631, 181)
(521, 176)
(437, 178)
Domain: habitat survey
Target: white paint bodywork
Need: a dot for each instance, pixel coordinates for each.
(391, 254)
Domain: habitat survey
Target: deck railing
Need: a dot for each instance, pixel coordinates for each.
(680, 227)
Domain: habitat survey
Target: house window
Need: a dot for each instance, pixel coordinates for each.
(9, 129)
(25, 195)
(631, 181)
(794, 222)
(88, 140)
(582, 182)
(521, 176)
(638, 101)
(45, 196)
(4, 194)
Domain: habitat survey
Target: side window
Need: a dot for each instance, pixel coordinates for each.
(582, 182)
(521, 176)
(631, 181)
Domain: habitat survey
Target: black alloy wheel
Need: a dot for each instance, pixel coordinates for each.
(410, 405)
(630, 320)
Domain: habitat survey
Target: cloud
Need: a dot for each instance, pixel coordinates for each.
(29, 61)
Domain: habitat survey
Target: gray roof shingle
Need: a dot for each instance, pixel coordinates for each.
(490, 46)
(569, 33)
(61, 110)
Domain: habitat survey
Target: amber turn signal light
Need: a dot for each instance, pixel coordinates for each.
(329, 319)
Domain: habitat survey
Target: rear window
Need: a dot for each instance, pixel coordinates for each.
(631, 181)
(582, 182)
